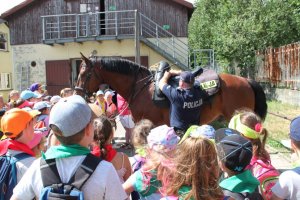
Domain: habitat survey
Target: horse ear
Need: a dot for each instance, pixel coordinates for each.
(84, 58)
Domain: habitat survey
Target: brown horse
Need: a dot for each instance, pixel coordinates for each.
(136, 85)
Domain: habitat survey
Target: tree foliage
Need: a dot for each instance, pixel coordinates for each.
(236, 29)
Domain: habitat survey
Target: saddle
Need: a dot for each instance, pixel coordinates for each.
(206, 80)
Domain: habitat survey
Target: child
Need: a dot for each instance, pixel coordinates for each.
(250, 126)
(139, 141)
(288, 186)
(104, 134)
(235, 153)
(17, 127)
(196, 172)
(71, 122)
(162, 142)
(100, 101)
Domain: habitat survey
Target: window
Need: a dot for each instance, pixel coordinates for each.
(3, 41)
(5, 81)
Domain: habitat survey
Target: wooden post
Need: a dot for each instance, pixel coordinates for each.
(137, 38)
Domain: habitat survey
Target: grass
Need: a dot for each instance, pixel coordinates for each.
(278, 121)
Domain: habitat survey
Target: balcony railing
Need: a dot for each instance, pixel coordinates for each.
(115, 25)
(99, 24)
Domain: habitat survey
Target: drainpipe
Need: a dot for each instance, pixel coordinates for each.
(137, 38)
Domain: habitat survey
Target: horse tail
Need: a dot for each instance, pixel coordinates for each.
(261, 106)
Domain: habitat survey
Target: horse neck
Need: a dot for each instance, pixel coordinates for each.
(122, 84)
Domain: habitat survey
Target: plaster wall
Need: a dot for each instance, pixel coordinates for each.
(6, 59)
(24, 55)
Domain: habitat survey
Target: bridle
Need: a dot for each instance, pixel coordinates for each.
(88, 76)
(92, 69)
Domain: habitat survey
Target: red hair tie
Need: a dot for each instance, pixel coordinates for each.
(258, 127)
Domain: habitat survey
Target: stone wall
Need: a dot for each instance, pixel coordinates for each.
(282, 94)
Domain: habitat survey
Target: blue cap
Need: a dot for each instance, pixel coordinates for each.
(187, 77)
(99, 92)
(70, 115)
(223, 132)
(27, 94)
(40, 105)
(295, 129)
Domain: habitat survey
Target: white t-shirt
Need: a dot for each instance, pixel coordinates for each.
(21, 165)
(288, 186)
(104, 183)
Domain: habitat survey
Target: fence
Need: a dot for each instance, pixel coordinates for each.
(280, 66)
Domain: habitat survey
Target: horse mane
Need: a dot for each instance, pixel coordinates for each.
(122, 66)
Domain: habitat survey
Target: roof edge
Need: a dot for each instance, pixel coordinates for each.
(185, 3)
(16, 8)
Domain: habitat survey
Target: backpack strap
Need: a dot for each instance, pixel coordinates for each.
(49, 172)
(51, 176)
(84, 171)
(21, 156)
(236, 196)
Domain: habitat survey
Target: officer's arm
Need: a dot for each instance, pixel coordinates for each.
(164, 80)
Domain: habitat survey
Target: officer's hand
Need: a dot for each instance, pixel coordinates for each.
(174, 72)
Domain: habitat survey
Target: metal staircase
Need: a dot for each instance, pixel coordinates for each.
(113, 25)
(162, 41)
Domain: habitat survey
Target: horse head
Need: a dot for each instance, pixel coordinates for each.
(88, 79)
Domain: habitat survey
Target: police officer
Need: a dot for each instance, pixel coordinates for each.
(185, 101)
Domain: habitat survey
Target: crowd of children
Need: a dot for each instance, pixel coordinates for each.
(56, 138)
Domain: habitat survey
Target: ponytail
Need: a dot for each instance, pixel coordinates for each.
(102, 133)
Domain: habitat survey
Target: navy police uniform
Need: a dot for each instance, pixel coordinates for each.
(185, 106)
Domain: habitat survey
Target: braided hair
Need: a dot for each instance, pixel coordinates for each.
(102, 133)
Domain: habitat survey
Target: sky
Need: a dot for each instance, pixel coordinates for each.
(7, 4)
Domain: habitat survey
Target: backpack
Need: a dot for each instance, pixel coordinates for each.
(243, 196)
(266, 174)
(53, 186)
(8, 174)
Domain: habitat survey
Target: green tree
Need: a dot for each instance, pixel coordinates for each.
(236, 29)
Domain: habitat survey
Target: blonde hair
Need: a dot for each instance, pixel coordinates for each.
(196, 166)
(65, 92)
(13, 92)
(250, 119)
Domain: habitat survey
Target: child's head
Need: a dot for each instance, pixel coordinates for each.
(66, 92)
(71, 121)
(205, 130)
(140, 133)
(162, 139)
(250, 126)
(196, 166)
(17, 124)
(103, 133)
(43, 107)
(234, 150)
(295, 134)
(14, 95)
(162, 142)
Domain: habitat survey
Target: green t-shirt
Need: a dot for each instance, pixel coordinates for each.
(146, 182)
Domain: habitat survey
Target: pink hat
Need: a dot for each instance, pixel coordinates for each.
(162, 139)
(26, 104)
(38, 135)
